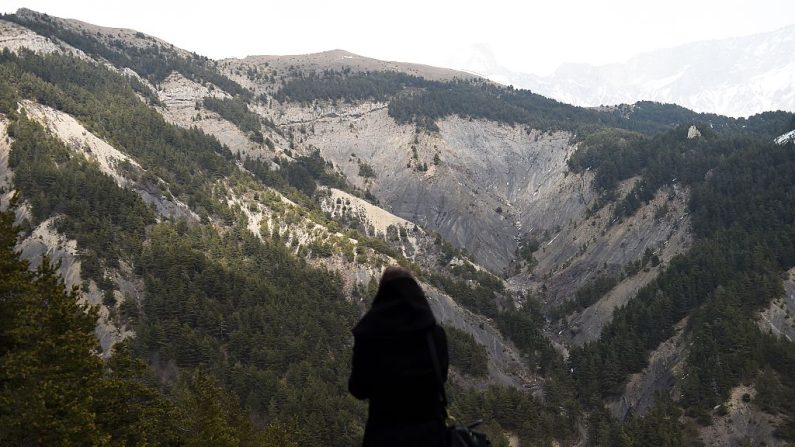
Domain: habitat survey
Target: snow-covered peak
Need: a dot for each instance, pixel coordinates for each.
(739, 76)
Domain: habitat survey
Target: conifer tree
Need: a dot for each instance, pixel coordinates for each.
(49, 367)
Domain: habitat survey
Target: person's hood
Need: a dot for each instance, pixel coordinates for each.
(399, 307)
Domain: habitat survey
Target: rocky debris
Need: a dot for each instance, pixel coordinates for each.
(779, 318)
(178, 92)
(45, 240)
(693, 132)
(659, 375)
(586, 326)
(71, 132)
(505, 363)
(15, 37)
(743, 424)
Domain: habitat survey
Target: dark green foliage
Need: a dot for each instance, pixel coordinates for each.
(273, 330)
(379, 245)
(422, 102)
(481, 292)
(303, 174)
(663, 425)
(465, 353)
(214, 417)
(536, 423)
(320, 249)
(475, 297)
(613, 153)
(154, 62)
(523, 327)
(591, 292)
(239, 328)
(527, 247)
(330, 85)
(187, 159)
(666, 158)
(49, 370)
(365, 170)
(744, 223)
(236, 110)
(8, 97)
(587, 295)
(55, 389)
(131, 408)
(107, 221)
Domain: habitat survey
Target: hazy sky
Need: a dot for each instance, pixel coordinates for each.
(527, 36)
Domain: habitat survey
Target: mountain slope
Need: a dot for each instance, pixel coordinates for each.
(230, 220)
(138, 263)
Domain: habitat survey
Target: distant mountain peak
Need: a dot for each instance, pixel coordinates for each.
(738, 76)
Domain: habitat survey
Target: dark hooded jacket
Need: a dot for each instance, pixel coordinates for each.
(392, 367)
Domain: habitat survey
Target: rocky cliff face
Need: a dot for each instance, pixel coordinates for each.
(489, 185)
(779, 317)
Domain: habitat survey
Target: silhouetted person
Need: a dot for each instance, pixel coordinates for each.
(392, 366)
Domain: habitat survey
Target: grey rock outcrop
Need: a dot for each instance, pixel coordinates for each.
(779, 318)
(491, 180)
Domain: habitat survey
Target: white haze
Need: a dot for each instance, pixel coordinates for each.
(522, 36)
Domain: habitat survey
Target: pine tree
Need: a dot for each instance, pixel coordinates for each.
(49, 367)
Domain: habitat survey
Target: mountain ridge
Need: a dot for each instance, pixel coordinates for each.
(738, 76)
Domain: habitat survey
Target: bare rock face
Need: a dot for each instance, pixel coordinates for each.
(601, 245)
(182, 105)
(743, 424)
(125, 171)
(15, 37)
(478, 183)
(47, 241)
(107, 35)
(779, 317)
(505, 363)
(6, 176)
(665, 365)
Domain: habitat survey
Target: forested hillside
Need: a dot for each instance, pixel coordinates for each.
(230, 240)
